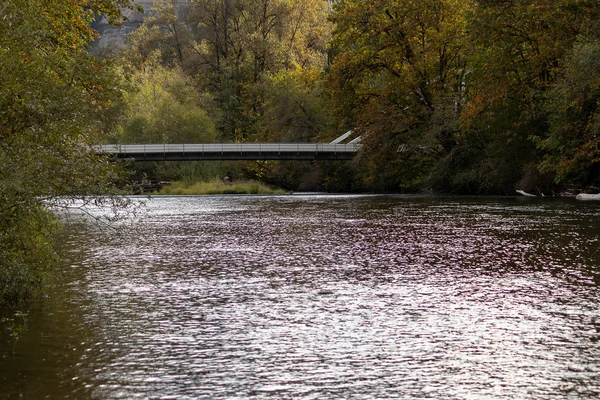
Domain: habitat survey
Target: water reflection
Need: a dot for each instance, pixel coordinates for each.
(342, 296)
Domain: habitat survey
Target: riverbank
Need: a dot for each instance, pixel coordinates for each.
(217, 186)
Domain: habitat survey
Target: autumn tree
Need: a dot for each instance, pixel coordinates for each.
(162, 106)
(242, 43)
(163, 32)
(519, 48)
(572, 146)
(398, 79)
(54, 105)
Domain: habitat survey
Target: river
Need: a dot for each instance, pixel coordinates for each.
(320, 297)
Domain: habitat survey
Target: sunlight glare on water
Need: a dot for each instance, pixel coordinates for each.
(342, 297)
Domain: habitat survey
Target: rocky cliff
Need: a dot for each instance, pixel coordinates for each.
(114, 36)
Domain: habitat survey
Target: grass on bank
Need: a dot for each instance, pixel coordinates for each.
(216, 186)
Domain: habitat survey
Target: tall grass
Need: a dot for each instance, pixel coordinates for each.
(216, 186)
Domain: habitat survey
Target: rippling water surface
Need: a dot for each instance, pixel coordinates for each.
(325, 297)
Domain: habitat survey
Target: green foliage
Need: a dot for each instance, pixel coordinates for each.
(468, 96)
(479, 96)
(254, 68)
(294, 108)
(163, 108)
(518, 56)
(573, 144)
(163, 33)
(398, 79)
(54, 104)
(294, 111)
(240, 44)
(27, 252)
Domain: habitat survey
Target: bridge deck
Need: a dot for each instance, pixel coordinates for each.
(232, 151)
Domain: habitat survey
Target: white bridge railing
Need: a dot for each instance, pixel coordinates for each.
(126, 149)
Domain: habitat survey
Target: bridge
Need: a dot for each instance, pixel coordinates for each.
(234, 151)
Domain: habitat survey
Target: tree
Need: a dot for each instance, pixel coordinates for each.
(164, 31)
(295, 109)
(572, 147)
(162, 107)
(398, 78)
(241, 43)
(518, 55)
(54, 105)
(259, 62)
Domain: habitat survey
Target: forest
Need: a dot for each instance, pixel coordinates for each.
(477, 97)
(465, 97)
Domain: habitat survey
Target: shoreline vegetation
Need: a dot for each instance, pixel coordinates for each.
(217, 186)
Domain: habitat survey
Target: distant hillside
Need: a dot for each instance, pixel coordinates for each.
(114, 36)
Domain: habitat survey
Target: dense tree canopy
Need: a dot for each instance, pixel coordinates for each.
(520, 53)
(398, 77)
(572, 146)
(469, 95)
(54, 104)
(256, 67)
(232, 47)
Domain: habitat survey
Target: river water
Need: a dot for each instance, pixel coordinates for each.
(320, 297)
